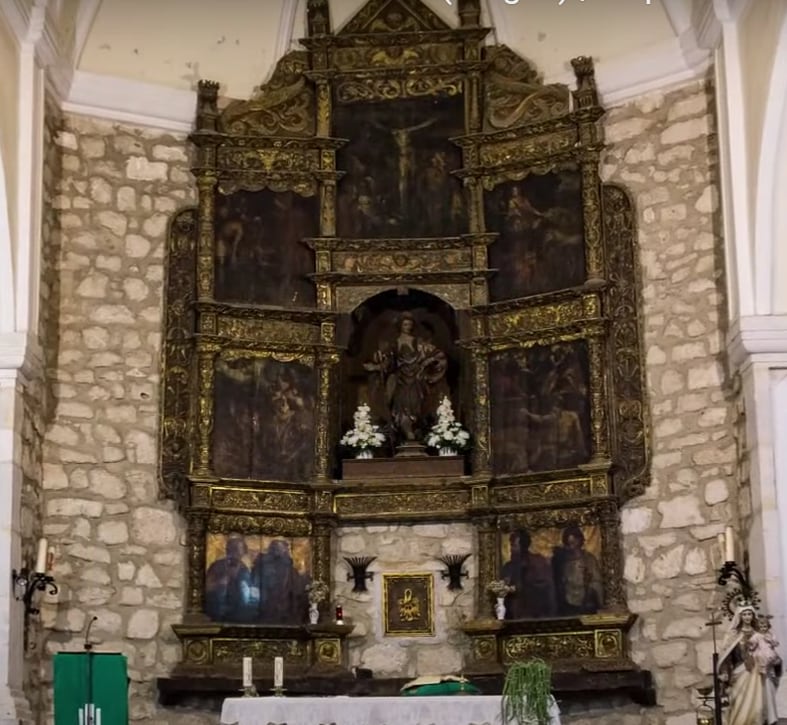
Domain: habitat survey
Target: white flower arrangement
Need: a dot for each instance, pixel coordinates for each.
(317, 592)
(448, 432)
(364, 433)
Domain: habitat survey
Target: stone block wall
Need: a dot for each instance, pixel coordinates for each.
(119, 549)
(662, 149)
(120, 554)
(404, 550)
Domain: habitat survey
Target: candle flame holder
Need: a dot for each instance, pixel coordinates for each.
(25, 584)
(454, 572)
(359, 575)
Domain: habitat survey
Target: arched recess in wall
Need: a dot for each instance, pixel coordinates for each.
(6, 258)
(770, 210)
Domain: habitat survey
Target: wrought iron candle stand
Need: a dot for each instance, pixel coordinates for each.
(454, 572)
(25, 585)
(359, 575)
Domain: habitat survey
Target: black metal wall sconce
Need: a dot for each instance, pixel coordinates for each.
(26, 583)
(359, 575)
(454, 572)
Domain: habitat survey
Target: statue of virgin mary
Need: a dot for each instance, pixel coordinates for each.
(748, 661)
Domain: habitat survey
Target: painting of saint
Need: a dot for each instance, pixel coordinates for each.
(578, 582)
(531, 576)
(540, 247)
(555, 571)
(399, 165)
(264, 423)
(257, 579)
(260, 254)
(540, 415)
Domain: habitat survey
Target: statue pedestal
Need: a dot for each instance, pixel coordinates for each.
(375, 469)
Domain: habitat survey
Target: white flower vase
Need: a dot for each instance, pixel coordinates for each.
(364, 453)
(447, 451)
(314, 613)
(500, 608)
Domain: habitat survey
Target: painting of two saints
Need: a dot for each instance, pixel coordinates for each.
(555, 572)
(257, 579)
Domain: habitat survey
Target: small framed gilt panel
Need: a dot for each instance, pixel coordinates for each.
(408, 605)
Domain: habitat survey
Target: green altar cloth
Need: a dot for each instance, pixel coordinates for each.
(91, 688)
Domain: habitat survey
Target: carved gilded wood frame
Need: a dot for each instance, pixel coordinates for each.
(281, 141)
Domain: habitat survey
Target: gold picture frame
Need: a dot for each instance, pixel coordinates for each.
(408, 605)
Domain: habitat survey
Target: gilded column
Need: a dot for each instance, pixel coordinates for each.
(487, 563)
(321, 556)
(591, 205)
(206, 357)
(599, 429)
(587, 113)
(323, 108)
(481, 433)
(206, 188)
(196, 532)
(326, 368)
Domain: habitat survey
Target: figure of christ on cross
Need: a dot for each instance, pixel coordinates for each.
(403, 139)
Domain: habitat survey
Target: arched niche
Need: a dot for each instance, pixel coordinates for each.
(372, 329)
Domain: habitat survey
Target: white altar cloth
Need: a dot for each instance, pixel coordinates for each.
(451, 710)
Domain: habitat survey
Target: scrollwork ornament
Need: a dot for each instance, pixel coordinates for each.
(627, 372)
(612, 563)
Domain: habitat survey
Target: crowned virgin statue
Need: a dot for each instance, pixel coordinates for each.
(750, 665)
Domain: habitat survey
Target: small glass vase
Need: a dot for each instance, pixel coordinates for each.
(364, 453)
(314, 613)
(500, 608)
(447, 451)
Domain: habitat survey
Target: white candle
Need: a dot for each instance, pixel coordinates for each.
(278, 672)
(247, 671)
(729, 544)
(722, 552)
(41, 558)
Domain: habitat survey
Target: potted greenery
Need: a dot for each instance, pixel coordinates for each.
(527, 694)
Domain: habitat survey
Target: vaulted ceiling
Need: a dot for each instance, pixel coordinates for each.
(177, 42)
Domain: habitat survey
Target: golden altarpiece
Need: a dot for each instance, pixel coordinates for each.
(403, 170)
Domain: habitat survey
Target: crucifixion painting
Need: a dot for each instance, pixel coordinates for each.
(399, 166)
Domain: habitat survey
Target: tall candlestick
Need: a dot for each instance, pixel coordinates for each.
(247, 671)
(278, 672)
(729, 544)
(41, 558)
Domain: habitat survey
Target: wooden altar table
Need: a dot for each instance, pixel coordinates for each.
(451, 710)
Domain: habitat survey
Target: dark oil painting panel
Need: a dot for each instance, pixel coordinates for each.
(401, 360)
(556, 571)
(260, 255)
(541, 246)
(540, 413)
(257, 579)
(408, 601)
(398, 168)
(264, 424)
